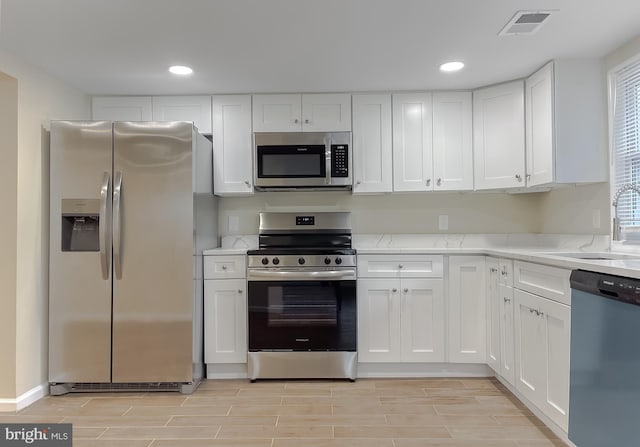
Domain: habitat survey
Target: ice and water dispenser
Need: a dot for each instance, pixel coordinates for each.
(80, 224)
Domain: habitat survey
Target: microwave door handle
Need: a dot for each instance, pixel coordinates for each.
(327, 179)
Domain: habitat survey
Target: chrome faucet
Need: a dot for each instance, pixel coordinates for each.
(616, 221)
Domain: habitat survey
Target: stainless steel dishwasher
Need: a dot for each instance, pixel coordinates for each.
(604, 397)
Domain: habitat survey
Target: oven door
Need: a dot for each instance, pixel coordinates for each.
(302, 315)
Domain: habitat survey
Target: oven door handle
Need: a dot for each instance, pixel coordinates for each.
(302, 275)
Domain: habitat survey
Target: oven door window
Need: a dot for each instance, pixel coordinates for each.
(302, 315)
(292, 161)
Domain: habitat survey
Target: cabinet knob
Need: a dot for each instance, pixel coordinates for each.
(428, 181)
(439, 182)
(518, 177)
(239, 290)
(224, 267)
(296, 121)
(394, 290)
(307, 121)
(246, 182)
(406, 290)
(358, 182)
(400, 266)
(493, 270)
(507, 300)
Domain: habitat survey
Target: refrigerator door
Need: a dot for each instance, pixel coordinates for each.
(80, 252)
(153, 232)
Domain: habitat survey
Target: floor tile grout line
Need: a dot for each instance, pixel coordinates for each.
(102, 433)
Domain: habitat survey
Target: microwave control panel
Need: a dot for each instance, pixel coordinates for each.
(339, 160)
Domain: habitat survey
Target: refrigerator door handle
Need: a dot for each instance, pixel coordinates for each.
(105, 193)
(117, 218)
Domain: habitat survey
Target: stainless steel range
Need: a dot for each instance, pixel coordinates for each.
(302, 297)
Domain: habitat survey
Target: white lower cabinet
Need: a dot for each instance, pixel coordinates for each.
(400, 318)
(225, 328)
(542, 328)
(225, 309)
(467, 309)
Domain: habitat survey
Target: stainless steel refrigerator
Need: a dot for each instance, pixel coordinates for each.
(131, 209)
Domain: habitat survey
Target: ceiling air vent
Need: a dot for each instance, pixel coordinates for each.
(525, 22)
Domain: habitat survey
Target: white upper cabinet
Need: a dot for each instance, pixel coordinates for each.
(184, 108)
(565, 123)
(196, 109)
(302, 113)
(452, 148)
(121, 108)
(232, 145)
(372, 154)
(498, 136)
(412, 142)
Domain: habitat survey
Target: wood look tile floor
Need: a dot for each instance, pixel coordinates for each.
(367, 413)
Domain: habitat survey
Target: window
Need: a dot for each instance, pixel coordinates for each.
(626, 145)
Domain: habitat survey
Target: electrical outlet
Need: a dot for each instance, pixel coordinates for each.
(443, 222)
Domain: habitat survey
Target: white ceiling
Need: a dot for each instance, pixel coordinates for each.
(238, 46)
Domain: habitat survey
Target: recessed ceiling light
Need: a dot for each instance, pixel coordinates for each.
(180, 70)
(451, 66)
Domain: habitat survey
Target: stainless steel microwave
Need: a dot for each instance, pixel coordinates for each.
(302, 160)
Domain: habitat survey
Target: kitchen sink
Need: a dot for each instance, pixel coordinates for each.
(595, 256)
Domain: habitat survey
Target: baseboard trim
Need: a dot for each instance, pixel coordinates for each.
(418, 370)
(25, 399)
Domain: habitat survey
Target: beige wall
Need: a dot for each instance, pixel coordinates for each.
(40, 99)
(571, 209)
(395, 213)
(8, 225)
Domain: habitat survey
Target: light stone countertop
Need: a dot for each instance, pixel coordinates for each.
(538, 249)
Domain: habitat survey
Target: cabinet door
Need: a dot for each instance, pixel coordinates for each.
(422, 320)
(412, 142)
(378, 320)
(121, 108)
(452, 150)
(326, 113)
(225, 321)
(467, 309)
(557, 324)
(493, 315)
(372, 168)
(196, 109)
(539, 92)
(498, 136)
(277, 113)
(530, 346)
(232, 166)
(507, 334)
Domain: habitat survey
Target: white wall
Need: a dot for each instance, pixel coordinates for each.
(8, 226)
(40, 99)
(395, 213)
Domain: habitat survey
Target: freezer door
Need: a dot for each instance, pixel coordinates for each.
(153, 252)
(79, 253)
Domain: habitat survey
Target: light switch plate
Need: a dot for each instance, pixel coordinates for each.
(443, 222)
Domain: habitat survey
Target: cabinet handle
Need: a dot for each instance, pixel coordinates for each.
(532, 311)
(307, 121)
(493, 270)
(507, 300)
(541, 314)
(239, 290)
(428, 181)
(406, 290)
(394, 290)
(358, 182)
(296, 121)
(518, 177)
(400, 266)
(246, 182)
(439, 182)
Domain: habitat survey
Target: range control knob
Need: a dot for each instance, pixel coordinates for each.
(301, 261)
(265, 261)
(276, 261)
(327, 260)
(338, 261)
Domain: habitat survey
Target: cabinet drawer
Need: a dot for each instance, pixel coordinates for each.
(225, 267)
(404, 266)
(542, 280)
